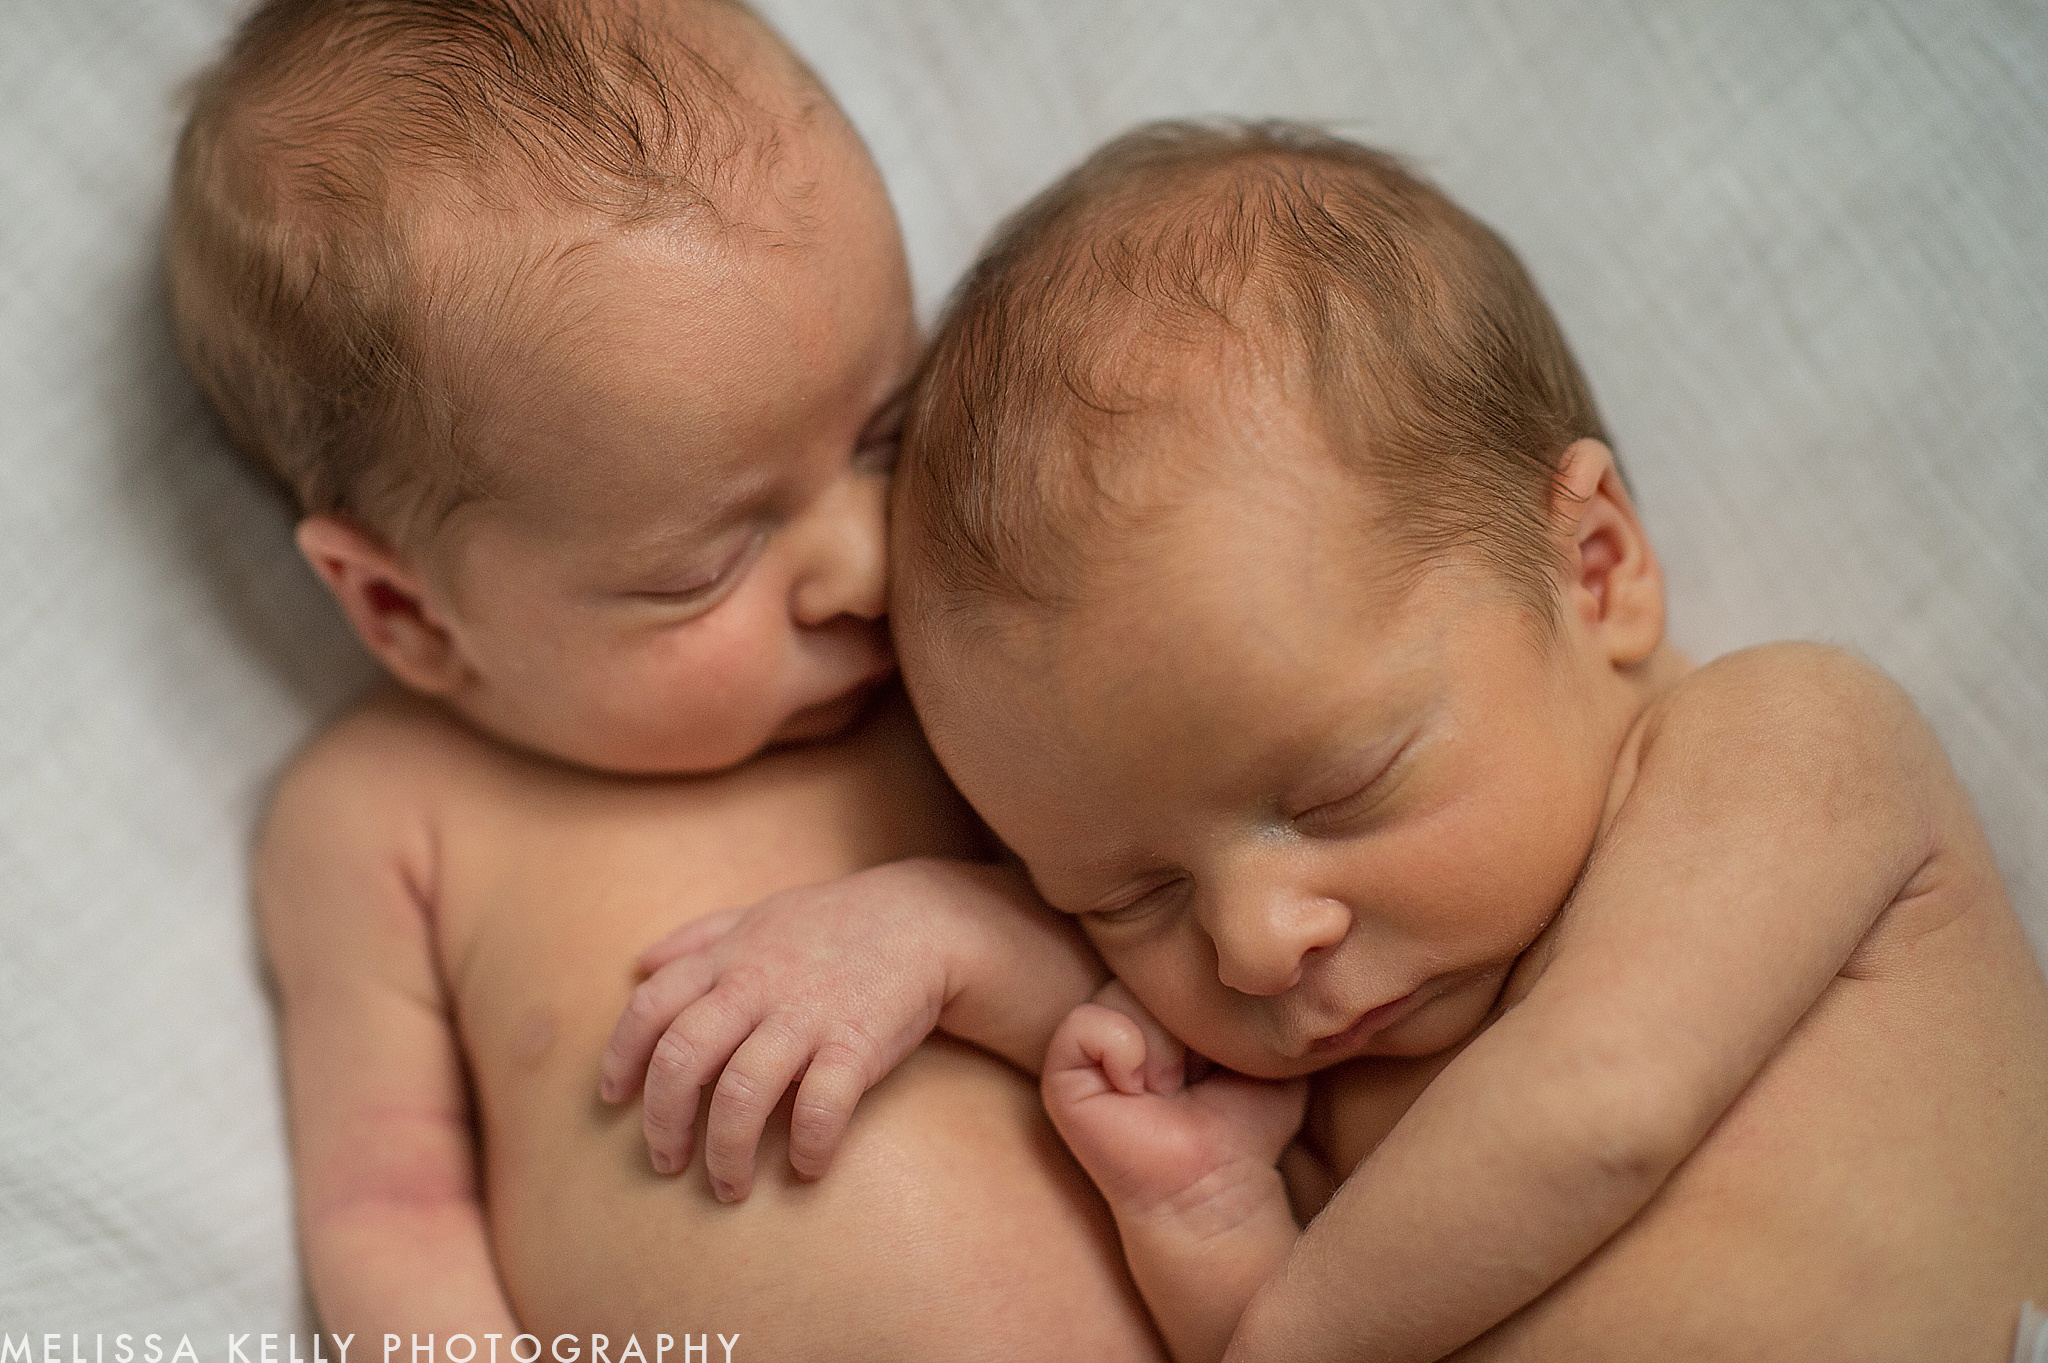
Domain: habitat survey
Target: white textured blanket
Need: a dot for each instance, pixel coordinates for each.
(1801, 248)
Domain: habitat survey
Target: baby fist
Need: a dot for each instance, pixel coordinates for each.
(1116, 1084)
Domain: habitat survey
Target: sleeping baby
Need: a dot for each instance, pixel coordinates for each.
(1490, 981)
(576, 328)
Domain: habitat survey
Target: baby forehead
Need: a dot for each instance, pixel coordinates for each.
(1226, 478)
(569, 329)
(1181, 648)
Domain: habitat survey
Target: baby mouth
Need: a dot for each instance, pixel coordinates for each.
(829, 716)
(1368, 1024)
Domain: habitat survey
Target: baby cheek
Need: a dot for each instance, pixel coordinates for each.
(1480, 912)
(1498, 838)
(723, 667)
(1177, 982)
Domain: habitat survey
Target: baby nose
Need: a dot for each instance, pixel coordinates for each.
(844, 565)
(1264, 939)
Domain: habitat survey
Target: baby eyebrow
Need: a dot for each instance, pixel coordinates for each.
(1076, 889)
(654, 559)
(719, 498)
(682, 551)
(1359, 767)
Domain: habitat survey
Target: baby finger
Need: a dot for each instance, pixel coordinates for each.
(831, 1089)
(755, 1079)
(1266, 1113)
(694, 1048)
(654, 1005)
(695, 935)
(1105, 1040)
(1165, 1058)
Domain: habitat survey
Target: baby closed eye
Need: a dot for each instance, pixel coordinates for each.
(1346, 813)
(1148, 900)
(702, 587)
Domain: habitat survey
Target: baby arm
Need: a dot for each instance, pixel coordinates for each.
(1779, 806)
(830, 986)
(1190, 1170)
(382, 1152)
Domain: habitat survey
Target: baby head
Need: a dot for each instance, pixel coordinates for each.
(573, 327)
(1264, 580)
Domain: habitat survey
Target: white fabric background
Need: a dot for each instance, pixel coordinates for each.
(1800, 248)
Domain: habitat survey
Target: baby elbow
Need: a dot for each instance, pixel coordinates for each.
(1631, 1137)
(1629, 1163)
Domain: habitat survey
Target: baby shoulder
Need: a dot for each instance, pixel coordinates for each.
(382, 757)
(1828, 752)
(1806, 721)
(344, 855)
(1791, 687)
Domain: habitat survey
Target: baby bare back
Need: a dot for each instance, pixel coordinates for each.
(952, 1223)
(1878, 1192)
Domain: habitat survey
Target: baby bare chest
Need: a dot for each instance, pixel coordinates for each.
(551, 883)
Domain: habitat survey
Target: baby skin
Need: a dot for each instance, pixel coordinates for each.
(1585, 1004)
(643, 679)
(454, 925)
(1652, 1012)
(1762, 911)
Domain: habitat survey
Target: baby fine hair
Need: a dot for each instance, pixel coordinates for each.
(326, 286)
(1439, 372)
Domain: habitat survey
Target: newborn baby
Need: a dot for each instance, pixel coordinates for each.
(1267, 584)
(577, 330)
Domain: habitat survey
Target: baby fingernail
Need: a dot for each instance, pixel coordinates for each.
(662, 1163)
(723, 1191)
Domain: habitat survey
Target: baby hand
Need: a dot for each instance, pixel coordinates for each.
(835, 983)
(1203, 1153)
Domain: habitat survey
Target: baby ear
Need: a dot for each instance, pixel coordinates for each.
(1613, 584)
(386, 602)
